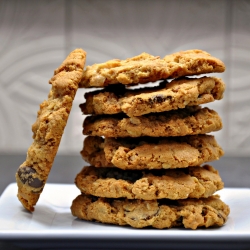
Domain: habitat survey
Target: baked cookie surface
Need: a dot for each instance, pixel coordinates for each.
(164, 213)
(188, 121)
(191, 182)
(51, 120)
(168, 96)
(151, 153)
(146, 68)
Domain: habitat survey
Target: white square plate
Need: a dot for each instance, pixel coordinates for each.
(52, 220)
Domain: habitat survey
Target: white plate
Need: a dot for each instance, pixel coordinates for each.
(52, 220)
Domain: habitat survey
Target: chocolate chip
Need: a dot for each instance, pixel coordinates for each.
(25, 171)
(159, 99)
(204, 211)
(26, 176)
(35, 183)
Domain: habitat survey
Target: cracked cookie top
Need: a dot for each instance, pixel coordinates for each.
(163, 213)
(146, 68)
(151, 153)
(188, 121)
(191, 182)
(168, 96)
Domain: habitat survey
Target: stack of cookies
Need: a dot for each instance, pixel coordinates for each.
(148, 142)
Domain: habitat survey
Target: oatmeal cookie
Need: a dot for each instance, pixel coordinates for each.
(163, 213)
(146, 68)
(191, 182)
(51, 120)
(151, 153)
(174, 95)
(188, 121)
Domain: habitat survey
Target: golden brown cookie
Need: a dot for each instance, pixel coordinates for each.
(192, 182)
(169, 96)
(188, 213)
(51, 120)
(188, 121)
(147, 68)
(151, 153)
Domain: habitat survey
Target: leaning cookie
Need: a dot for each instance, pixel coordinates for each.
(48, 129)
(151, 152)
(188, 121)
(146, 68)
(174, 95)
(188, 213)
(192, 182)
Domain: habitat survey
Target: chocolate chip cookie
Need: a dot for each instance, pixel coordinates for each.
(163, 213)
(51, 120)
(146, 68)
(191, 182)
(188, 121)
(168, 96)
(151, 153)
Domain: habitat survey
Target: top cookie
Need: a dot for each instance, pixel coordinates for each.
(147, 68)
(48, 129)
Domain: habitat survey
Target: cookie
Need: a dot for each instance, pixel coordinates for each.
(170, 96)
(51, 120)
(192, 182)
(146, 68)
(151, 153)
(163, 213)
(188, 121)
